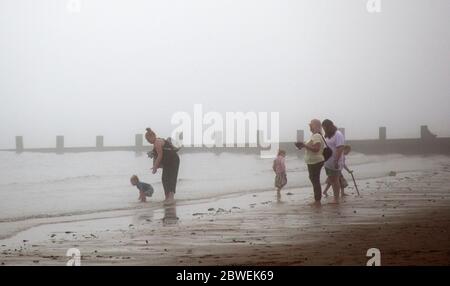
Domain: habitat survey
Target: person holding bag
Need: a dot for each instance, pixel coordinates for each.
(314, 158)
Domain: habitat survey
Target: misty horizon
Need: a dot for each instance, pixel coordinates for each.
(115, 68)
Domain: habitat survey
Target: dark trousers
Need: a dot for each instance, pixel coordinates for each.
(170, 174)
(314, 176)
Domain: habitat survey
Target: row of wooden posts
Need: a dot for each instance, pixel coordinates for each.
(424, 134)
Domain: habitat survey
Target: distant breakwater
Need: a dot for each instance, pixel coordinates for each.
(427, 143)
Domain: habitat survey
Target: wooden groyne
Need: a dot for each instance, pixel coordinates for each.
(427, 143)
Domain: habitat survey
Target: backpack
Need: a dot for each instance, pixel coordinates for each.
(168, 145)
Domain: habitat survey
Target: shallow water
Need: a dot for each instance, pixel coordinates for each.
(40, 185)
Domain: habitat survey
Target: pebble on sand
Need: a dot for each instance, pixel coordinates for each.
(196, 214)
(392, 173)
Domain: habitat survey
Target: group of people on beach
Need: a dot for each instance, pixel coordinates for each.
(328, 150)
(320, 151)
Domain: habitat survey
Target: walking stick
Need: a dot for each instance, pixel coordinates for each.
(354, 182)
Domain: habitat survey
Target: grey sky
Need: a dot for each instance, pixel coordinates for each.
(120, 66)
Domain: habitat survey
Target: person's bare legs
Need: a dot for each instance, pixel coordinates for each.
(142, 197)
(334, 180)
(326, 190)
(170, 198)
(278, 194)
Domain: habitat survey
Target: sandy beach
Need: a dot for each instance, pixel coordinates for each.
(156, 133)
(405, 215)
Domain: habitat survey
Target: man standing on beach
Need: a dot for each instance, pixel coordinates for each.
(333, 166)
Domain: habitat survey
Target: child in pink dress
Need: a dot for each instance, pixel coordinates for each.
(279, 168)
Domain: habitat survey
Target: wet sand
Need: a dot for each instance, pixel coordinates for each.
(406, 216)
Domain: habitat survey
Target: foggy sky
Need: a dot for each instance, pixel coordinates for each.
(120, 66)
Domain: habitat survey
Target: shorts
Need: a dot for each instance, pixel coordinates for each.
(148, 193)
(280, 180)
(332, 172)
(342, 181)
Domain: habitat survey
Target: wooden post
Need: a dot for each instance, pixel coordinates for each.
(19, 144)
(138, 141)
(99, 142)
(300, 136)
(382, 133)
(425, 133)
(59, 144)
(218, 139)
(258, 139)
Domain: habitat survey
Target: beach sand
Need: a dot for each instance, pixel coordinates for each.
(405, 216)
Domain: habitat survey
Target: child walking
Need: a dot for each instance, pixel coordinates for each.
(145, 190)
(342, 180)
(279, 168)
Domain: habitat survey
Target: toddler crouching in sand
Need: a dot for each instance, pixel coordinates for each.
(145, 190)
(279, 168)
